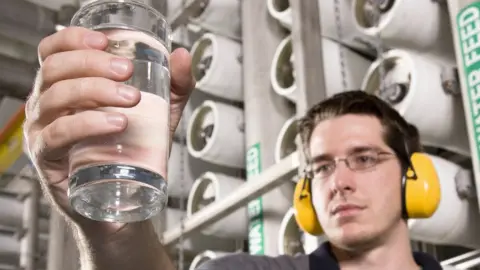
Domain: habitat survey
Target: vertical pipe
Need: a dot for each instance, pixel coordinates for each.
(56, 242)
(265, 113)
(29, 243)
(307, 45)
(465, 16)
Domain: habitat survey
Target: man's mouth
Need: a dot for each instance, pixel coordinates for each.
(345, 209)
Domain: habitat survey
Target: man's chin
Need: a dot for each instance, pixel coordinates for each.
(351, 236)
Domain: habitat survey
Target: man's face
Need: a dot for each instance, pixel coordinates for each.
(355, 207)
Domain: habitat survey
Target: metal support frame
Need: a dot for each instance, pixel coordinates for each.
(182, 17)
(307, 43)
(307, 47)
(259, 185)
(29, 243)
(464, 261)
(56, 242)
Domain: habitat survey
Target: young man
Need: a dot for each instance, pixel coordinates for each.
(355, 142)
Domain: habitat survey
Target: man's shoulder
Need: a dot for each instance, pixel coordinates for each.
(244, 261)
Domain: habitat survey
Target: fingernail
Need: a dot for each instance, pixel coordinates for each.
(127, 92)
(95, 39)
(120, 65)
(116, 120)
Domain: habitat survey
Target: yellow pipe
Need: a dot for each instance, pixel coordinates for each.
(11, 140)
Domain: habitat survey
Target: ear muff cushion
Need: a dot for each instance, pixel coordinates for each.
(305, 214)
(423, 194)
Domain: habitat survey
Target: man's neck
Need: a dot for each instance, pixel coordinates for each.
(393, 253)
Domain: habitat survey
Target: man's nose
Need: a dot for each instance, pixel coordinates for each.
(343, 178)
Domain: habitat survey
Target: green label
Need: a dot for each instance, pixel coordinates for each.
(468, 23)
(256, 241)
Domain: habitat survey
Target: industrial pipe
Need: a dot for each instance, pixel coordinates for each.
(220, 17)
(213, 188)
(270, 179)
(206, 256)
(216, 66)
(16, 77)
(457, 219)
(410, 82)
(11, 212)
(285, 142)
(265, 114)
(9, 249)
(282, 74)
(196, 242)
(29, 16)
(292, 240)
(351, 37)
(402, 24)
(16, 49)
(281, 11)
(56, 243)
(180, 175)
(212, 128)
(11, 137)
(29, 245)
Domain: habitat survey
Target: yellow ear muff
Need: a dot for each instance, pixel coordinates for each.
(422, 187)
(305, 214)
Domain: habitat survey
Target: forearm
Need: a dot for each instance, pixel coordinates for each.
(134, 246)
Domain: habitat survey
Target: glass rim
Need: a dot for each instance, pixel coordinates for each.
(136, 3)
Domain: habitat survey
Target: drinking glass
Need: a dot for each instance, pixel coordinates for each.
(122, 177)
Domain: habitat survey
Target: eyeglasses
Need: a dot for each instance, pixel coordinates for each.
(356, 162)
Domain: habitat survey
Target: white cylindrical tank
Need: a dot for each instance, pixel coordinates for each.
(216, 66)
(351, 36)
(220, 17)
(206, 256)
(196, 242)
(11, 214)
(285, 143)
(292, 240)
(282, 72)
(180, 175)
(416, 92)
(215, 134)
(456, 220)
(9, 249)
(213, 187)
(422, 26)
(281, 11)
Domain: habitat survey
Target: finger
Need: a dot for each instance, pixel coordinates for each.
(85, 63)
(183, 81)
(71, 38)
(61, 134)
(66, 96)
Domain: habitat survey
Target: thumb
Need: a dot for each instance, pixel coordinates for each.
(182, 80)
(182, 85)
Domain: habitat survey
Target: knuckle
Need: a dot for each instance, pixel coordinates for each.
(88, 61)
(87, 121)
(55, 132)
(84, 87)
(70, 35)
(48, 65)
(49, 98)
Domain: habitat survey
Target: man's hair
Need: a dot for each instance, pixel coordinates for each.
(399, 135)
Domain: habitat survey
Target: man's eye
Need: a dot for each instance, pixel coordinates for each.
(365, 159)
(323, 168)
